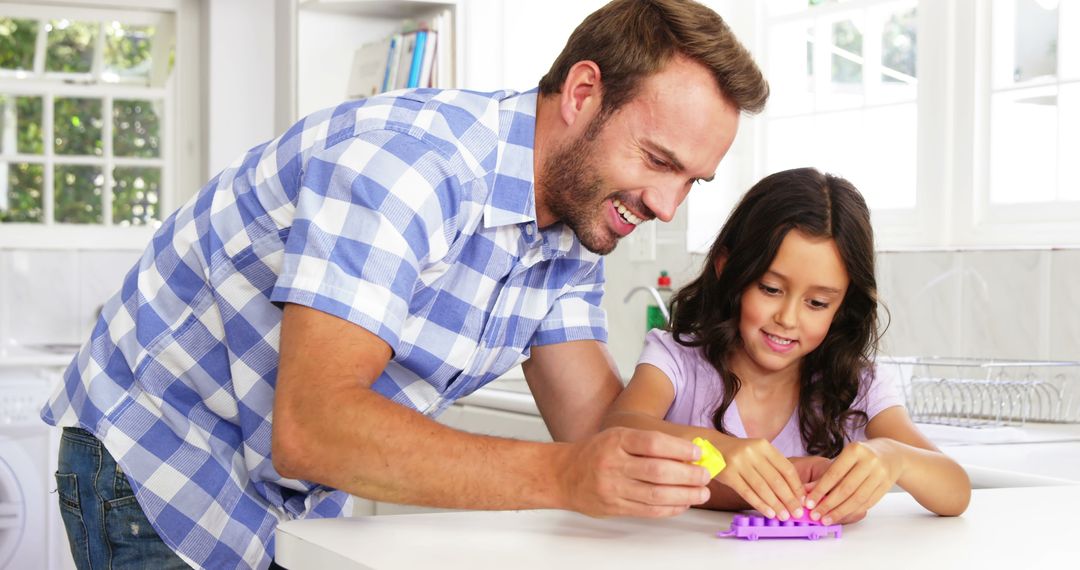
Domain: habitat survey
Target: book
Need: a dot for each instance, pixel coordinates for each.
(417, 59)
(405, 58)
(368, 69)
(391, 63)
(428, 64)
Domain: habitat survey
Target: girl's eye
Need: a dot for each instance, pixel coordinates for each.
(768, 290)
(818, 305)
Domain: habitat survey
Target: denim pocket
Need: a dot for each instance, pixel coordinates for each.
(67, 488)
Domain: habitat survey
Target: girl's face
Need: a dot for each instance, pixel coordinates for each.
(787, 312)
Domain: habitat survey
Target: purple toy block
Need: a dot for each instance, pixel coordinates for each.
(753, 527)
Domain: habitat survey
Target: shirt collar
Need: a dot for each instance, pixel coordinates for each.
(512, 196)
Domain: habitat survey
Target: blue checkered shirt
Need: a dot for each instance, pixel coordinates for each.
(410, 215)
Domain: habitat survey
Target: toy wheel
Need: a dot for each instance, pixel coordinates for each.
(814, 536)
(752, 536)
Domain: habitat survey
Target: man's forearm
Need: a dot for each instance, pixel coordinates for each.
(374, 448)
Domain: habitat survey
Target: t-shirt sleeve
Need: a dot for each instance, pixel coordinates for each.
(663, 352)
(576, 314)
(371, 213)
(881, 390)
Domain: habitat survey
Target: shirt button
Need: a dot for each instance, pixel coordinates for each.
(529, 230)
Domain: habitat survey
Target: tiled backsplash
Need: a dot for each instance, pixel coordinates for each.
(51, 296)
(1003, 304)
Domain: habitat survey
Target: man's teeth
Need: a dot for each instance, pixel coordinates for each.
(778, 340)
(626, 214)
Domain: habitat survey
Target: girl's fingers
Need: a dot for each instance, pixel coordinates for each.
(868, 494)
(854, 480)
(833, 475)
(740, 486)
(786, 484)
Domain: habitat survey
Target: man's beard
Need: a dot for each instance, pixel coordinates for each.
(574, 193)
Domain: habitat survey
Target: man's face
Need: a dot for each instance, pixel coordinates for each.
(640, 163)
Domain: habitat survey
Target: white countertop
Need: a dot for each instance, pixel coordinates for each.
(1009, 528)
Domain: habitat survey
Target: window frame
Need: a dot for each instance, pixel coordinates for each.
(952, 193)
(181, 16)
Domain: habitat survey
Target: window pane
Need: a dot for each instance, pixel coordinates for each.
(78, 126)
(70, 46)
(17, 41)
(78, 194)
(1069, 44)
(21, 193)
(20, 123)
(1025, 39)
(127, 52)
(898, 41)
(1069, 139)
(1036, 33)
(136, 193)
(889, 167)
(1023, 146)
(136, 128)
(847, 54)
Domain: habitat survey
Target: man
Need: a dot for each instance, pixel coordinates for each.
(289, 334)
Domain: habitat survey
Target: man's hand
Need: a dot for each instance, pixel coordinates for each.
(631, 472)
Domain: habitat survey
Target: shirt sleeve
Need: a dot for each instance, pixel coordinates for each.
(882, 390)
(576, 314)
(663, 352)
(370, 214)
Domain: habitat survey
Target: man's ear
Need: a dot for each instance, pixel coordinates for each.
(581, 93)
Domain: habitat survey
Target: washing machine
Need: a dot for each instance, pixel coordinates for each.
(31, 532)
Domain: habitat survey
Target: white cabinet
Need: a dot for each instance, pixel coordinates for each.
(317, 40)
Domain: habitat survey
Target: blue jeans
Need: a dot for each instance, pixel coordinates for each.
(106, 527)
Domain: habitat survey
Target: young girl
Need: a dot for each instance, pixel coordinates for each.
(769, 355)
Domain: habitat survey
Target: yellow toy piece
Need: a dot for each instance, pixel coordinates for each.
(711, 458)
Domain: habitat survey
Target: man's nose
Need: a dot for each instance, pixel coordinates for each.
(664, 202)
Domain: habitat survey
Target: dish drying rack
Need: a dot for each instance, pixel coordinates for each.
(976, 392)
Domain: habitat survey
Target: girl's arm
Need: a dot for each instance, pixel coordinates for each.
(896, 452)
(756, 474)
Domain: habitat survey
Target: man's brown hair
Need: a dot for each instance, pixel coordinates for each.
(632, 39)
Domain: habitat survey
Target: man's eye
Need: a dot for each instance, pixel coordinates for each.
(657, 162)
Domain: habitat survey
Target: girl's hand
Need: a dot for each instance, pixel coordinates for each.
(810, 468)
(762, 476)
(858, 478)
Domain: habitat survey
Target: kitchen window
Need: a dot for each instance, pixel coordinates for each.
(949, 115)
(87, 101)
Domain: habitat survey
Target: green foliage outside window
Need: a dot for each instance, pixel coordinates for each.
(78, 126)
(17, 39)
(70, 46)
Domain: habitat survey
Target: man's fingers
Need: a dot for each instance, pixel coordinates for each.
(664, 495)
(666, 472)
(646, 443)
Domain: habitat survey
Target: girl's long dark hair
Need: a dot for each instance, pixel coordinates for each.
(706, 312)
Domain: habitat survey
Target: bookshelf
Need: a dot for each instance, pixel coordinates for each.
(318, 40)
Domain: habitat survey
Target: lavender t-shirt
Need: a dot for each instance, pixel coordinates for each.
(698, 391)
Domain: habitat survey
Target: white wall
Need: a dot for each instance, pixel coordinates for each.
(240, 78)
